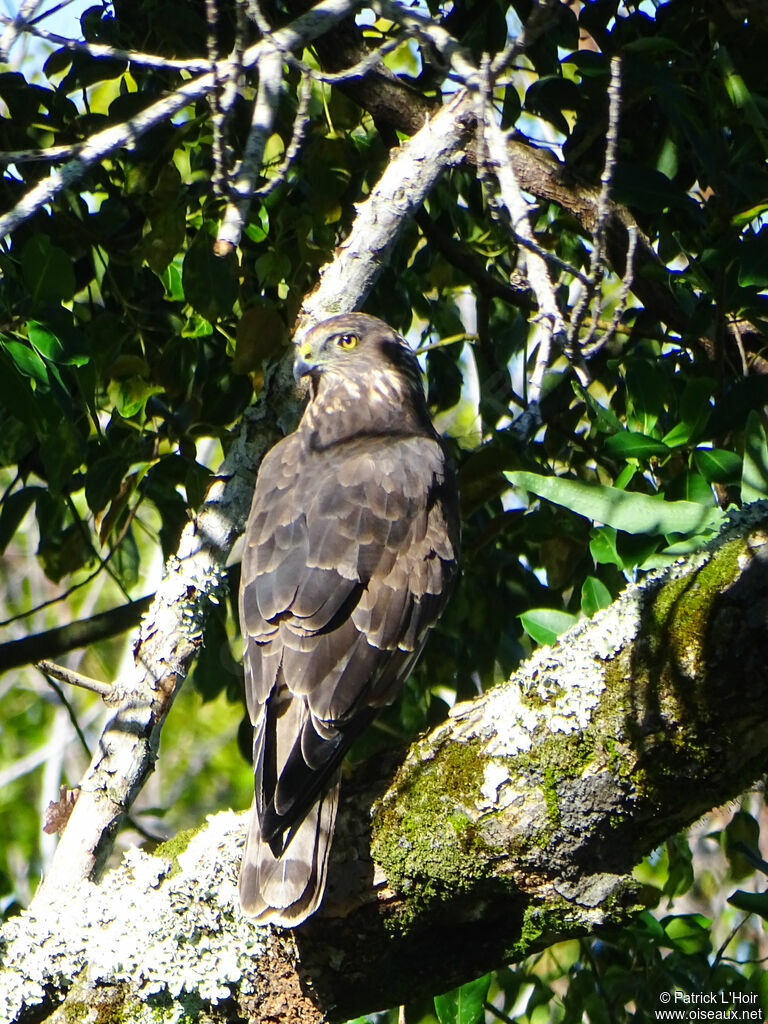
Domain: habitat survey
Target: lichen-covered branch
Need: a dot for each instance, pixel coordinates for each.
(400, 192)
(513, 825)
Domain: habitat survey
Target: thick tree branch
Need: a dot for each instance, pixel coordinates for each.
(52, 642)
(513, 825)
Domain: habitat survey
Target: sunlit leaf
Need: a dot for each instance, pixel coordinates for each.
(631, 445)
(718, 465)
(545, 625)
(624, 510)
(594, 596)
(463, 1005)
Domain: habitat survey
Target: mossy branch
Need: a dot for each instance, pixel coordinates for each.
(514, 824)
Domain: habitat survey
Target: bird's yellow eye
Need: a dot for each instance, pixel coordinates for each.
(347, 340)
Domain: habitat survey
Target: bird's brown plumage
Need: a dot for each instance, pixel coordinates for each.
(350, 556)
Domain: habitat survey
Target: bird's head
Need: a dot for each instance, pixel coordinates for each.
(365, 380)
(355, 347)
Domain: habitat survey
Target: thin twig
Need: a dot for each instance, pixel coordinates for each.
(300, 125)
(247, 173)
(55, 600)
(550, 318)
(425, 28)
(588, 351)
(102, 51)
(736, 330)
(602, 214)
(726, 942)
(16, 26)
(219, 121)
(66, 704)
(359, 69)
(464, 337)
(539, 20)
(303, 29)
(68, 675)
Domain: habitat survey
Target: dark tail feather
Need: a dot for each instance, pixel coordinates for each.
(285, 890)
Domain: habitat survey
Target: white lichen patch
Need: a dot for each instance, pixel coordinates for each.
(557, 688)
(495, 775)
(175, 933)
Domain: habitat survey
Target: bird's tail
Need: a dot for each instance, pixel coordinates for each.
(285, 889)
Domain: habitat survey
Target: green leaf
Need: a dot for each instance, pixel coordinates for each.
(688, 932)
(131, 394)
(47, 270)
(258, 226)
(604, 419)
(15, 507)
(544, 625)
(751, 902)
(631, 445)
(624, 510)
(66, 349)
(695, 411)
(167, 219)
(680, 871)
(26, 359)
(463, 1005)
(754, 474)
(717, 465)
(602, 546)
(646, 387)
(690, 486)
(103, 480)
(625, 477)
(742, 831)
(209, 281)
(594, 596)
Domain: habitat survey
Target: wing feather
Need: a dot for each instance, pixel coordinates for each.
(344, 572)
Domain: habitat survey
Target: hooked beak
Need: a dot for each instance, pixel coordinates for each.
(304, 364)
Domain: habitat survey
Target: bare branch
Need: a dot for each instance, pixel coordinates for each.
(104, 52)
(535, 268)
(602, 215)
(300, 125)
(588, 351)
(219, 119)
(68, 675)
(304, 28)
(558, 826)
(16, 26)
(53, 153)
(246, 175)
(423, 26)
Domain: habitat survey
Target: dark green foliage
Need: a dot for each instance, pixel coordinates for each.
(129, 351)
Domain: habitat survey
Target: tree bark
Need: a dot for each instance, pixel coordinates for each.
(514, 824)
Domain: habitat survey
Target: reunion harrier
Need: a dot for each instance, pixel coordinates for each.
(350, 557)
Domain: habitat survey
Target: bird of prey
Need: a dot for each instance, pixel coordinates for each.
(350, 557)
